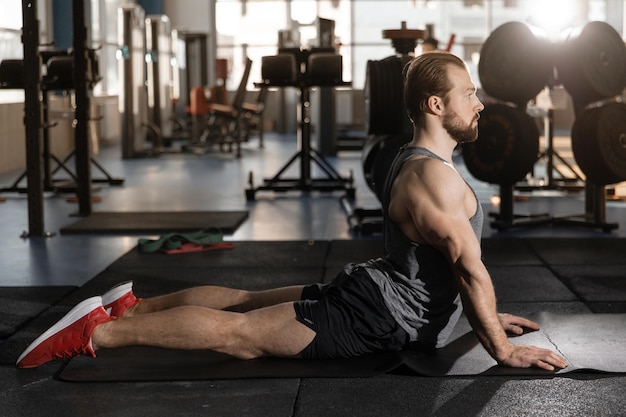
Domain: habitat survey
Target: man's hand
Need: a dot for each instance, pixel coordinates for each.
(528, 356)
(514, 324)
(531, 356)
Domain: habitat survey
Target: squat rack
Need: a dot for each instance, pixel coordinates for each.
(36, 148)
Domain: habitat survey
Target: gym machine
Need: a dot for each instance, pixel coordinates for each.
(159, 80)
(132, 94)
(516, 64)
(193, 67)
(58, 77)
(303, 69)
(33, 120)
(139, 69)
(76, 71)
(150, 83)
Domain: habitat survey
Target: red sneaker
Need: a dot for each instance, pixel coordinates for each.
(119, 298)
(69, 337)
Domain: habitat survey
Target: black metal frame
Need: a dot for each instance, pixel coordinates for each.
(50, 184)
(595, 195)
(305, 153)
(32, 119)
(38, 156)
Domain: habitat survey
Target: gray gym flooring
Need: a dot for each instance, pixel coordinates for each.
(216, 181)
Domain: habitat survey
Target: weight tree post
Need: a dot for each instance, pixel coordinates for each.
(81, 115)
(32, 119)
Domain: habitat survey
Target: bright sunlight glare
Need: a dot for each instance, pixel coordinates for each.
(553, 16)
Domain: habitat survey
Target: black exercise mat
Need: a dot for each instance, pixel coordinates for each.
(589, 251)
(19, 305)
(141, 364)
(495, 251)
(591, 342)
(342, 252)
(505, 251)
(588, 341)
(528, 284)
(155, 223)
(592, 283)
(245, 254)
(603, 289)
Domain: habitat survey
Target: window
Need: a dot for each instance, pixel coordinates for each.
(251, 27)
(10, 38)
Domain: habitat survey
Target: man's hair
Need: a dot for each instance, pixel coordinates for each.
(425, 76)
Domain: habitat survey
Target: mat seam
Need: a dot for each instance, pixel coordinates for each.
(294, 410)
(550, 267)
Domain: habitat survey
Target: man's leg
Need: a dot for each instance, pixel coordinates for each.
(217, 298)
(270, 331)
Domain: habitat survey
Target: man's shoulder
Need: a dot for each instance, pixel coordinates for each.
(430, 171)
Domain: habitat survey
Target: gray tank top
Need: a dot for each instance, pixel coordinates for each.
(416, 281)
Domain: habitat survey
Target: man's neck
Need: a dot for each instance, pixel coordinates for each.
(439, 143)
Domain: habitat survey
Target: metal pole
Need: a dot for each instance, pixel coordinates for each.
(81, 115)
(32, 118)
(155, 25)
(304, 137)
(125, 72)
(130, 66)
(212, 47)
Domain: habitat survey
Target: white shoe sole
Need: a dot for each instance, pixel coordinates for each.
(78, 312)
(116, 292)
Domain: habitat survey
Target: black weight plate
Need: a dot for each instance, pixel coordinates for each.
(592, 62)
(599, 143)
(384, 104)
(507, 145)
(378, 155)
(515, 63)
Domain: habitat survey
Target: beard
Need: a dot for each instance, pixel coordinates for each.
(459, 131)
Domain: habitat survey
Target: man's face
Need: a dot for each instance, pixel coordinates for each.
(458, 129)
(461, 113)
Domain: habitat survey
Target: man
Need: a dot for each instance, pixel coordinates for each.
(411, 297)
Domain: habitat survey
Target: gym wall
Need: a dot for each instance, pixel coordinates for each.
(12, 142)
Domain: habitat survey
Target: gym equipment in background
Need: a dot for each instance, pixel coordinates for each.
(303, 69)
(193, 66)
(252, 116)
(516, 63)
(159, 80)
(132, 93)
(58, 64)
(216, 123)
(505, 152)
(591, 63)
(599, 143)
(387, 124)
(76, 71)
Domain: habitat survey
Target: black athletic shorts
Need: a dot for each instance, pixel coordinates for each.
(349, 317)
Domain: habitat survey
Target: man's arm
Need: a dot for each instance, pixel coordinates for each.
(436, 203)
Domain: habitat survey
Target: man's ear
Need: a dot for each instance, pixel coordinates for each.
(435, 105)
